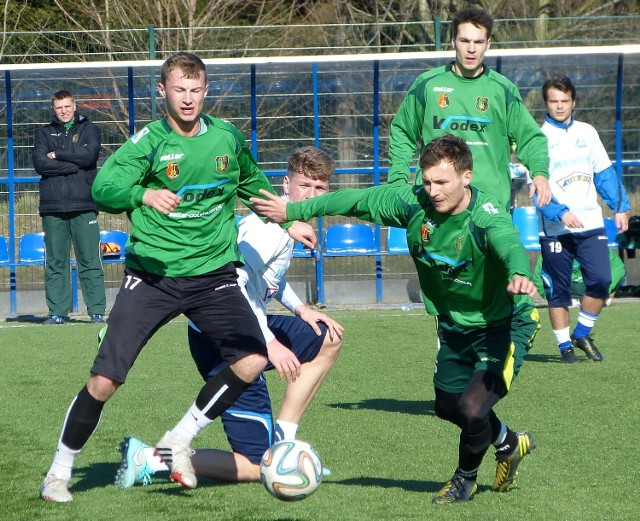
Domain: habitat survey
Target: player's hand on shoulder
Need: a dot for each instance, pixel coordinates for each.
(312, 317)
(521, 285)
(283, 359)
(165, 201)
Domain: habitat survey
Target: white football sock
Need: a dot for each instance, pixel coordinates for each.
(289, 429)
(63, 461)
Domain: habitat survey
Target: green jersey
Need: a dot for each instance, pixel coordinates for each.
(208, 171)
(486, 111)
(464, 261)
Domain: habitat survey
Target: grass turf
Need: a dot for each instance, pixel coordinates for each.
(372, 423)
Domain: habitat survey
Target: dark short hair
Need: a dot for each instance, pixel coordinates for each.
(561, 83)
(312, 163)
(191, 66)
(477, 17)
(449, 148)
(61, 94)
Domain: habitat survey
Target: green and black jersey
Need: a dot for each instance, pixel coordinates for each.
(486, 111)
(464, 261)
(208, 171)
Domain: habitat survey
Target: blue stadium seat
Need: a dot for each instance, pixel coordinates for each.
(350, 239)
(397, 241)
(299, 251)
(32, 249)
(612, 232)
(4, 252)
(525, 219)
(116, 237)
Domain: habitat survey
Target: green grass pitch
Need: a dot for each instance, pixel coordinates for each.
(372, 423)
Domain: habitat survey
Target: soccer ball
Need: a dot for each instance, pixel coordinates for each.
(291, 470)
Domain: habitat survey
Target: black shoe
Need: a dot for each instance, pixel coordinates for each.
(456, 490)
(587, 345)
(569, 357)
(97, 319)
(55, 320)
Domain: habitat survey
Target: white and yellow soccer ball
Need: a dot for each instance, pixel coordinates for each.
(291, 470)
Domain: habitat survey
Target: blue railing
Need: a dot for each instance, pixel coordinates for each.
(342, 104)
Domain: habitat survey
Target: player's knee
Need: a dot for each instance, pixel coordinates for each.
(101, 387)
(249, 367)
(472, 416)
(331, 348)
(599, 289)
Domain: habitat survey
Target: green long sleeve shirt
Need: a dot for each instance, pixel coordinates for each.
(464, 261)
(486, 111)
(208, 171)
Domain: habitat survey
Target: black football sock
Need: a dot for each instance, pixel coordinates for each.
(219, 393)
(82, 420)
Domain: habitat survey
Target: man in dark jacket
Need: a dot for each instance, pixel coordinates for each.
(65, 154)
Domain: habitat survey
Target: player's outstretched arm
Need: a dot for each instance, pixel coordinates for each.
(273, 207)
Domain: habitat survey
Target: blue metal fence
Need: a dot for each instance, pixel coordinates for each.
(343, 104)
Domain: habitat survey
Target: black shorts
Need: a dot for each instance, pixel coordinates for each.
(146, 302)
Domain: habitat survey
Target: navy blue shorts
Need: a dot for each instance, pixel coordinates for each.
(145, 302)
(248, 423)
(590, 249)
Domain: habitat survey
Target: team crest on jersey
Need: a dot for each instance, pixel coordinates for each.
(173, 171)
(425, 233)
(482, 104)
(74, 139)
(443, 101)
(222, 164)
(459, 244)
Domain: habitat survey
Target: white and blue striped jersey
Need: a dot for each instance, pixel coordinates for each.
(579, 170)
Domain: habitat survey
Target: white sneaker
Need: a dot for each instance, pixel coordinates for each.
(55, 489)
(178, 459)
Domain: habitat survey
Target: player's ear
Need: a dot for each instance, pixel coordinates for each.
(466, 177)
(285, 184)
(161, 90)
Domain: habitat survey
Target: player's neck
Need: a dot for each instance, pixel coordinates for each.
(459, 71)
(185, 128)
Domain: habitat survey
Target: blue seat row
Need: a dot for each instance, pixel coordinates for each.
(32, 250)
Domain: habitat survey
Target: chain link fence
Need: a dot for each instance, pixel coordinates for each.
(310, 40)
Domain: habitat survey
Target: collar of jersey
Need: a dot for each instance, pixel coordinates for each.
(557, 124)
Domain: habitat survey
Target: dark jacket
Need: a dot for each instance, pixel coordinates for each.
(66, 181)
